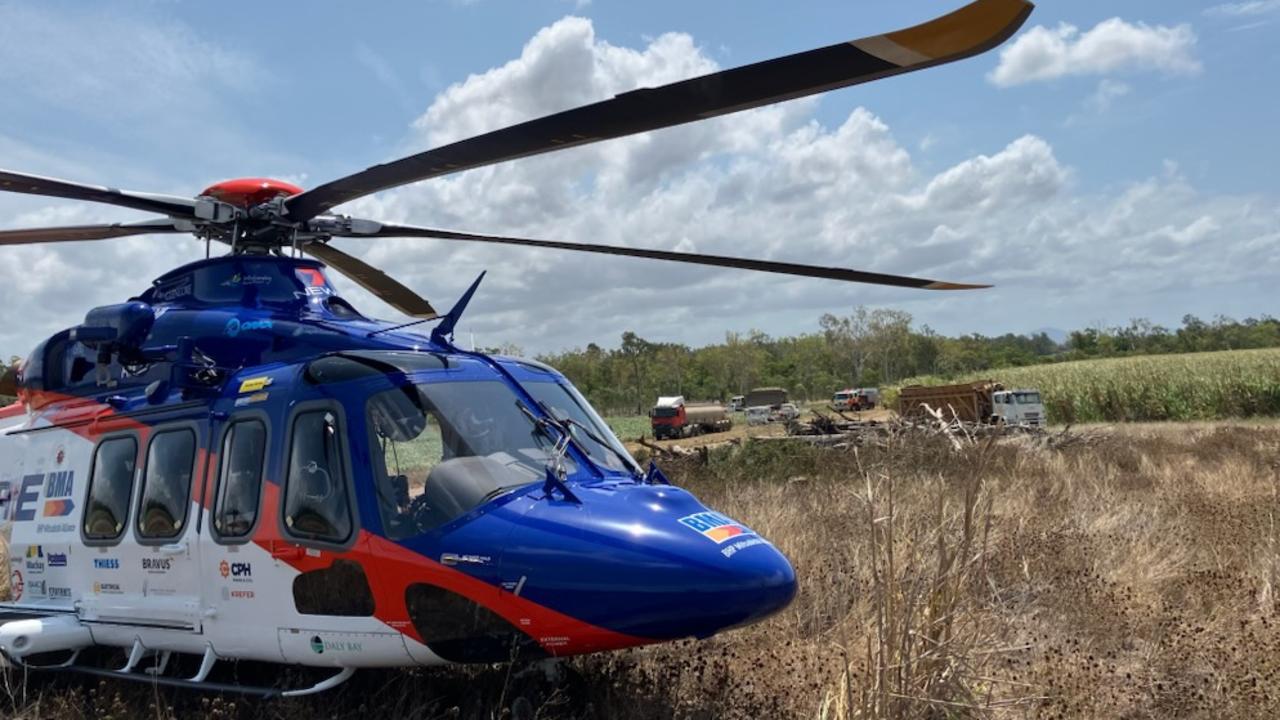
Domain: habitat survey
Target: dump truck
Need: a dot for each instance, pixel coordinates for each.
(984, 401)
(770, 397)
(672, 417)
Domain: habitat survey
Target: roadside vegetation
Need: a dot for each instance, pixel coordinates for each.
(1127, 572)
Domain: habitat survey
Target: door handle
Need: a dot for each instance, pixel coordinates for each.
(174, 549)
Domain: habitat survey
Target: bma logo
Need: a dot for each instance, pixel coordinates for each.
(714, 526)
(238, 571)
(106, 563)
(58, 487)
(235, 326)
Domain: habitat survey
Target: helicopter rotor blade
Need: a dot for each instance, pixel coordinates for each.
(77, 233)
(390, 290)
(52, 187)
(769, 266)
(968, 31)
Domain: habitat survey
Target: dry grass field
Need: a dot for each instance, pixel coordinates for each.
(1131, 574)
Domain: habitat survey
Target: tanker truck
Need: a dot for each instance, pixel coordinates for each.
(672, 417)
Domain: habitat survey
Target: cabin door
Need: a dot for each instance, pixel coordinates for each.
(141, 526)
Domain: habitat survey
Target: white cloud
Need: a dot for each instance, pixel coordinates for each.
(1107, 93)
(1251, 8)
(772, 183)
(1111, 46)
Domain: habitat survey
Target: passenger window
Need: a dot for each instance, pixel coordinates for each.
(240, 479)
(166, 484)
(315, 504)
(110, 485)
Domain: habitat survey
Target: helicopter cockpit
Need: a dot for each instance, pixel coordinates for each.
(442, 448)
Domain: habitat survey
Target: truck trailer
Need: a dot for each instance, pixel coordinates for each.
(672, 417)
(984, 401)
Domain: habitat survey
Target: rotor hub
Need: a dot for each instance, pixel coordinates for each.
(246, 193)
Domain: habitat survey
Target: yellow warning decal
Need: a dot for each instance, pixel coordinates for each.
(254, 384)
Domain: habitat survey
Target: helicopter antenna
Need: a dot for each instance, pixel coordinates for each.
(443, 333)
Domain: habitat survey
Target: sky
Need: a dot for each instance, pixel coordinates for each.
(1097, 167)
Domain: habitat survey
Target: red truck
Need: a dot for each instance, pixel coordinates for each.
(672, 417)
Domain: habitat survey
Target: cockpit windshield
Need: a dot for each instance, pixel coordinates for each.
(448, 447)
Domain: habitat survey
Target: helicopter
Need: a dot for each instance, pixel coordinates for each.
(238, 465)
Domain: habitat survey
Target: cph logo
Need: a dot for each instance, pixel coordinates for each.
(238, 570)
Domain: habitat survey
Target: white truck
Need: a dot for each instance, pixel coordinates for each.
(1018, 407)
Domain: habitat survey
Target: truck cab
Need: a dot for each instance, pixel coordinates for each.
(1018, 407)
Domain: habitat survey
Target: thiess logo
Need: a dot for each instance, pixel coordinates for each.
(714, 526)
(106, 564)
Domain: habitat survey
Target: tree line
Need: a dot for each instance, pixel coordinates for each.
(867, 348)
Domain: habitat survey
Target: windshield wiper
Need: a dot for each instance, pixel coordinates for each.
(556, 472)
(568, 423)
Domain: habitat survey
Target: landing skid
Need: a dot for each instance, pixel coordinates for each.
(154, 675)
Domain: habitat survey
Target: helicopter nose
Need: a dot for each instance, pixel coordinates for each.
(653, 562)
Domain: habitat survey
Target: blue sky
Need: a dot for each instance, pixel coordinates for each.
(1116, 161)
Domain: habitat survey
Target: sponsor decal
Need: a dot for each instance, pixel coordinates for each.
(319, 645)
(103, 588)
(237, 571)
(57, 559)
(106, 563)
(16, 585)
(178, 289)
(456, 559)
(246, 280)
(34, 562)
(35, 587)
(235, 326)
(54, 528)
(58, 488)
(6, 493)
(252, 399)
(59, 593)
(714, 526)
(157, 564)
(241, 594)
(743, 545)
